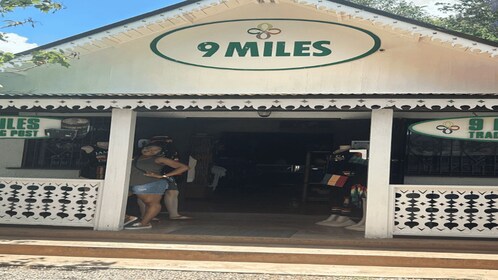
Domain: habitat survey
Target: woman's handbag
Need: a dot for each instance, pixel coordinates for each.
(334, 180)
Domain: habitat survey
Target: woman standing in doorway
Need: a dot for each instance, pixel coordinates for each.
(149, 184)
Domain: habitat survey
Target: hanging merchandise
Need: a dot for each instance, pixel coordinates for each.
(358, 159)
(80, 126)
(334, 180)
(95, 157)
(358, 192)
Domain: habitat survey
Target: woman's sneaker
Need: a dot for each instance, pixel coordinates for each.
(138, 225)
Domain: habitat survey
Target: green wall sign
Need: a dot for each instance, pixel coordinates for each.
(26, 127)
(266, 44)
(466, 128)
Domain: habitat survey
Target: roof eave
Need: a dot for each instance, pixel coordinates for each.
(183, 4)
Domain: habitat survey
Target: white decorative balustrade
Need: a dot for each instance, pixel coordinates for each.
(456, 211)
(56, 202)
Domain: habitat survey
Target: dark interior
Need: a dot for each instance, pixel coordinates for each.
(265, 161)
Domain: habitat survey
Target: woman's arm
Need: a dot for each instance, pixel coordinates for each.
(179, 168)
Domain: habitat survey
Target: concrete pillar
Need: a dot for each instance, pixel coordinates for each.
(379, 167)
(112, 197)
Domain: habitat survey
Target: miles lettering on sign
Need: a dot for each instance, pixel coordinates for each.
(267, 49)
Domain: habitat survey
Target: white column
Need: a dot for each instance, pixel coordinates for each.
(112, 198)
(379, 167)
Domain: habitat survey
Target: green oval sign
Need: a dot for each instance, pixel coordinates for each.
(265, 44)
(466, 128)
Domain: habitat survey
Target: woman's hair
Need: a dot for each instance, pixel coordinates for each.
(161, 151)
(152, 145)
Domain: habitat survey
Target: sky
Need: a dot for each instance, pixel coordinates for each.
(83, 15)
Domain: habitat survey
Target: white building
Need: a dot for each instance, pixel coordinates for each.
(328, 68)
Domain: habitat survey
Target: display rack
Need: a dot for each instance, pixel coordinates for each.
(313, 189)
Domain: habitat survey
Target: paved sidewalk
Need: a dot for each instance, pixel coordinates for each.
(251, 254)
(248, 243)
(47, 267)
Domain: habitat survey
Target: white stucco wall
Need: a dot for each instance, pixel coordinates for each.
(406, 65)
(12, 151)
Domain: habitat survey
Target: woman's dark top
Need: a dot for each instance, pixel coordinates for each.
(142, 165)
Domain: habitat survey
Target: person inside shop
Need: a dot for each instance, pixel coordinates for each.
(149, 184)
(135, 208)
(338, 164)
(172, 193)
(95, 158)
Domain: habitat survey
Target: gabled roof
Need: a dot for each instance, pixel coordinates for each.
(192, 10)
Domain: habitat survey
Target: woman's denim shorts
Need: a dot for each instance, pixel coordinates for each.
(157, 187)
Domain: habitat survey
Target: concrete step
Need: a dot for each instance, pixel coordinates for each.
(333, 241)
(251, 254)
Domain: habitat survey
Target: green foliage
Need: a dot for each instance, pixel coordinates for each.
(474, 17)
(50, 57)
(7, 6)
(6, 58)
(397, 7)
(38, 57)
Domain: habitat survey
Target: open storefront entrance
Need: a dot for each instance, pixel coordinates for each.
(272, 170)
(257, 165)
(257, 196)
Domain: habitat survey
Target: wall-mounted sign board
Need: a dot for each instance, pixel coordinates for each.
(266, 44)
(27, 127)
(466, 128)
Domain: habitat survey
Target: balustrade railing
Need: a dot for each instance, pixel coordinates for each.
(56, 202)
(457, 211)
